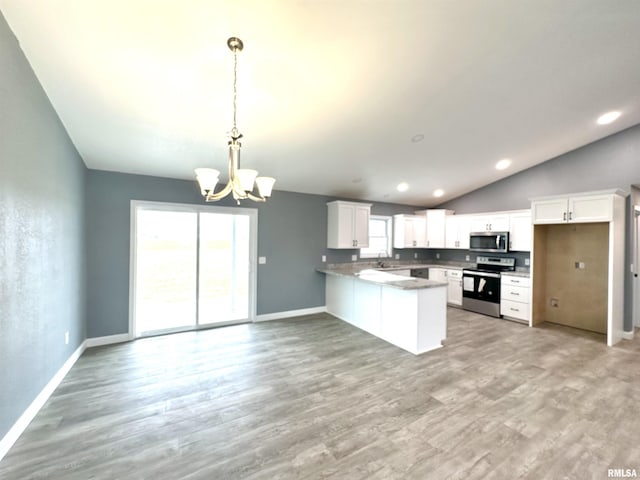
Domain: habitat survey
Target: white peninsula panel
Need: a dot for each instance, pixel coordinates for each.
(406, 312)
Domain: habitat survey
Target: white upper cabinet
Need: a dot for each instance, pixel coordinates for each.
(457, 229)
(348, 224)
(409, 231)
(520, 231)
(549, 211)
(490, 223)
(436, 227)
(584, 208)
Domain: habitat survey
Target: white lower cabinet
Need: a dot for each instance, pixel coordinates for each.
(515, 293)
(438, 274)
(454, 288)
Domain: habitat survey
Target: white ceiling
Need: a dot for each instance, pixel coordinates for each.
(332, 92)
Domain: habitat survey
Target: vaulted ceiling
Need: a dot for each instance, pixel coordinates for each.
(337, 97)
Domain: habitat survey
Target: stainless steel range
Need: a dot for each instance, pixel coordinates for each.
(481, 285)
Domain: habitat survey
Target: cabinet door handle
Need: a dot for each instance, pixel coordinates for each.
(515, 293)
(514, 309)
(570, 214)
(564, 216)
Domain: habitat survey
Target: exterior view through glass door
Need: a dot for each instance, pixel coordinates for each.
(191, 267)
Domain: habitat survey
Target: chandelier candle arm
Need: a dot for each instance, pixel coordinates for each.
(242, 181)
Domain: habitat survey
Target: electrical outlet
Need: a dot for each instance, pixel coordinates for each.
(397, 256)
(262, 260)
(554, 302)
(467, 258)
(66, 337)
(324, 259)
(354, 258)
(438, 256)
(527, 262)
(415, 255)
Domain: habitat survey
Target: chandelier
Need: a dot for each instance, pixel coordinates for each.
(243, 183)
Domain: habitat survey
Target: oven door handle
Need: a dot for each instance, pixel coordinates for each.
(481, 274)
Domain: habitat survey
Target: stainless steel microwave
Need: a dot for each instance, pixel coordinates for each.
(496, 242)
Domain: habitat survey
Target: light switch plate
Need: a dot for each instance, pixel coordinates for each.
(354, 258)
(324, 258)
(397, 256)
(262, 260)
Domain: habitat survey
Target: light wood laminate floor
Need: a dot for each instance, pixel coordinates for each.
(314, 398)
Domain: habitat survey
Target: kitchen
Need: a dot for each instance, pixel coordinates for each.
(493, 286)
(69, 177)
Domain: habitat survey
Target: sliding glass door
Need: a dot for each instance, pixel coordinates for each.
(191, 267)
(224, 268)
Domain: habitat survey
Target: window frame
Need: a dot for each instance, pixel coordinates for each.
(389, 236)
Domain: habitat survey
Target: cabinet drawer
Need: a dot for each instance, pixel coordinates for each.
(516, 281)
(454, 274)
(514, 309)
(514, 294)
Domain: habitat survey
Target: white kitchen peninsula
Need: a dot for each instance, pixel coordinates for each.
(410, 313)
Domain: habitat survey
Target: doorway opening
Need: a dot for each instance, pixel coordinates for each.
(192, 267)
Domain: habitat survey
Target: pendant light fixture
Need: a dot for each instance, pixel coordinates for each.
(243, 183)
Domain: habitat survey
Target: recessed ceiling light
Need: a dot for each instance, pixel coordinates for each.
(403, 187)
(438, 193)
(502, 164)
(608, 117)
(417, 138)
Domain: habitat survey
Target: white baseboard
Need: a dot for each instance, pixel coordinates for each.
(291, 313)
(108, 340)
(628, 335)
(25, 419)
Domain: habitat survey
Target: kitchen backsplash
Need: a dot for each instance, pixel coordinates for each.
(455, 255)
(430, 255)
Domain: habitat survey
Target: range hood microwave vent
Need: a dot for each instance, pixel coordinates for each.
(494, 242)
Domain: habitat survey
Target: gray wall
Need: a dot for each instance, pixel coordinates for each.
(41, 236)
(292, 234)
(613, 162)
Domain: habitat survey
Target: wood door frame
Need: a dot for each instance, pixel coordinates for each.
(635, 290)
(252, 213)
